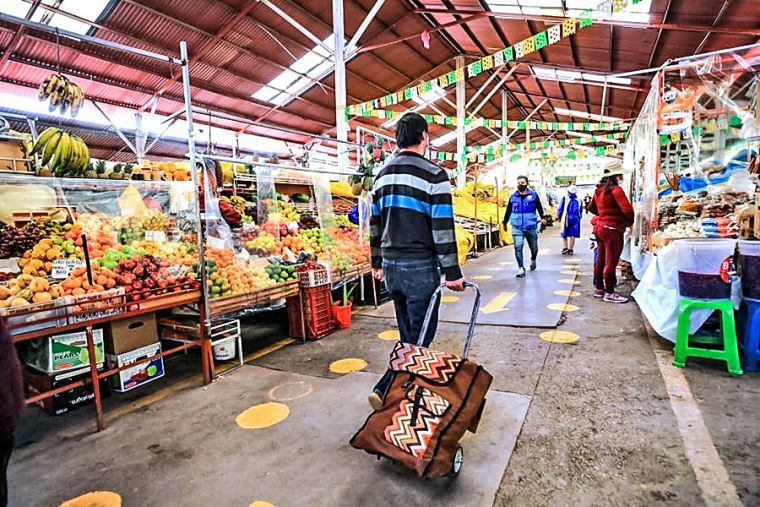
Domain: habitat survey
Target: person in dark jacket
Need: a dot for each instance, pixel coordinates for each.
(614, 215)
(412, 235)
(522, 215)
(11, 404)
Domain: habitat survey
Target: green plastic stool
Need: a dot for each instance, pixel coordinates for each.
(730, 352)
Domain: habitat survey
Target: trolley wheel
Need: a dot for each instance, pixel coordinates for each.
(456, 466)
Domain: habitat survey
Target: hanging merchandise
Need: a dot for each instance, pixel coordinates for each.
(62, 93)
(373, 157)
(63, 154)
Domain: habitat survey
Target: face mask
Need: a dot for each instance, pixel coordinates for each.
(522, 188)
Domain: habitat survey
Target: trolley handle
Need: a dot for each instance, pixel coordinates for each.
(473, 317)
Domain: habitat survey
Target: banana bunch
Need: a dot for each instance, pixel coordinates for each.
(64, 154)
(62, 93)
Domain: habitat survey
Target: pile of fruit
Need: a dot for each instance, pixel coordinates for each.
(245, 280)
(143, 277)
(78, 283)
(14, 242)
(264, 245)
(281, 274)
(64, 154)
(113, 256)
(288, 213)
(222, 257)
(39, 260)
(27, 289)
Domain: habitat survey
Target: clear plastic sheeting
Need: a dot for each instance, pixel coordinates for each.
(658, 299)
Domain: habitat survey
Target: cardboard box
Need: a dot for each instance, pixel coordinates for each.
(63, 352)
(38, 383)
(130, 378)
(132, 333)
(757, 224)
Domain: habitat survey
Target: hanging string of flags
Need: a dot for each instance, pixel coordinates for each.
(514, 156)
(558, 143)
(517, 125)
(548, 37)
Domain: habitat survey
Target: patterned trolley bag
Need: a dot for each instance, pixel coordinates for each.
(434, 398)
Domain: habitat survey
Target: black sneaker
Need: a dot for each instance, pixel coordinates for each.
(533, 265)
(520, 273)
(565, 251)
(569, 252)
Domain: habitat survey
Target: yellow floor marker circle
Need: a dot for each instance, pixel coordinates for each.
(563, 307)
(573, 261)
(261, 503)
(348, 365)
(568, 293)
(391, 335)
(262, 416)
(99, 498)
(449, 299)
(556, 336)
(482, 277)
(290, 391)
(571, 266)
(571, 272)
(507, 263)
(568, 281)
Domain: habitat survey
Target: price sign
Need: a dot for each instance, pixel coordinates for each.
(292, 226)
(9, 266)
(213, 242)
(62, 268)
(178, 271)
(155, 236)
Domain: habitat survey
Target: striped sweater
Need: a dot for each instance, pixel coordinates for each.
(412, 214)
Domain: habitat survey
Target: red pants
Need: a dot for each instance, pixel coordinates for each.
(610, 243)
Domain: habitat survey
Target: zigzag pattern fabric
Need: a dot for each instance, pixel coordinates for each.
(415, 438)
(434, 365)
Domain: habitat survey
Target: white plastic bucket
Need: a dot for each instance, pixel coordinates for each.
(226, 349)
(704, 256)
(751, 248)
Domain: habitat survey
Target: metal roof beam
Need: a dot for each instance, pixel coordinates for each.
(625, 24)
(17, 37)
(298, 26)
(363, 27)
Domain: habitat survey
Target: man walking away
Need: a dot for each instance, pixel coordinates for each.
(521, 214)
(11, 404)
(412, 235)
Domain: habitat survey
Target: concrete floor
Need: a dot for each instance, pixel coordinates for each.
(600, 429)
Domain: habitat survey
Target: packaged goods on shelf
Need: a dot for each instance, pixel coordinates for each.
(64, 352)
(140, 374)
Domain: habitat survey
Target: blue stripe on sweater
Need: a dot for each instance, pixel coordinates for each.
(375, 210)
(442, 211)
(402, 201)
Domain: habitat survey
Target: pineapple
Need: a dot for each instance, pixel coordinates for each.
(128, 168)
(90, 171)
(100, 169)
(116, 173)
(46, 173)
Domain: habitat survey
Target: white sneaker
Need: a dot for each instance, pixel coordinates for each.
(520, 273)
(615, 298)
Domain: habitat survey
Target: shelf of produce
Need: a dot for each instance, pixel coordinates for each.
(154, 304)
(350, 275)
(240, 302)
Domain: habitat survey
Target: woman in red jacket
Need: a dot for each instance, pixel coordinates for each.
(614, 215)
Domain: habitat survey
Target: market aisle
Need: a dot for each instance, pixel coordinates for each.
(537, 301)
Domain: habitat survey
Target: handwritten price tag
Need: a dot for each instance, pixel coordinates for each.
(213, 242)
(155, 236)
(62, 268)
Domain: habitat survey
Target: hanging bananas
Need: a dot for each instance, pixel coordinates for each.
(64, 154)
(62, 93)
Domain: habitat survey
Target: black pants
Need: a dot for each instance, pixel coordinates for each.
(411, 283)
(6, 447)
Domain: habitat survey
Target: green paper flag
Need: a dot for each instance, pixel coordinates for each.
(600, 151)
(541, 40)
(408, 94)
(586, 19)
(509, 54)
(428, 87)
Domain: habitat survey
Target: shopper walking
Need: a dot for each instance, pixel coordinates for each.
(614, 214)
(11, 404)
(586, 202)
(569, 215)
(412, 235)
(524, 211)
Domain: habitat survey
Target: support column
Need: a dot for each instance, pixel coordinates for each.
(341, 122)
(461, 134)
(504, 135)
(140, 138)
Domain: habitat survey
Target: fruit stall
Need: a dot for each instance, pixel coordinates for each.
(110, 263)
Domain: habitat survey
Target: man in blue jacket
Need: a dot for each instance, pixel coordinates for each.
(523, 213)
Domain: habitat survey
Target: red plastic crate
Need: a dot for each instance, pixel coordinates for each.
(317, 313)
